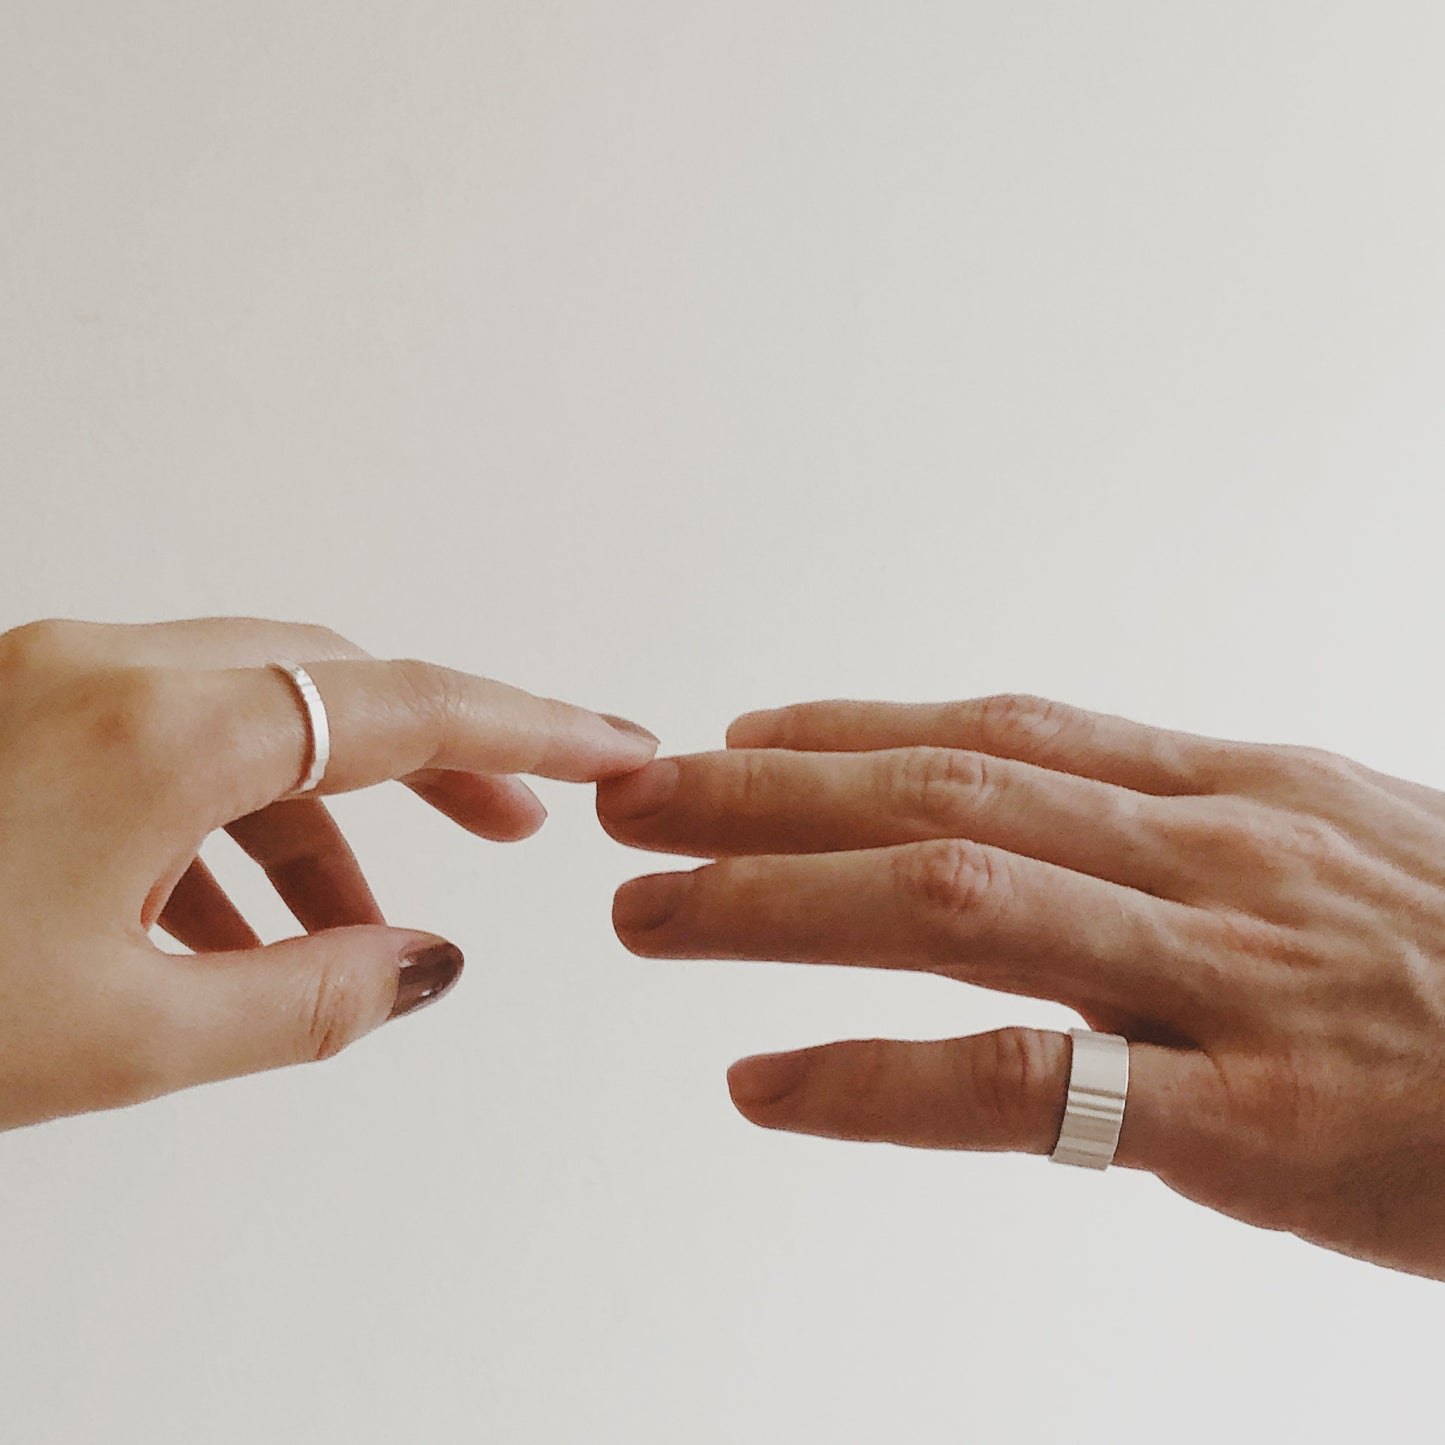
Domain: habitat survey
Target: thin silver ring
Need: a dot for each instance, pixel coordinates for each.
(1098, 1092)
(318, 726)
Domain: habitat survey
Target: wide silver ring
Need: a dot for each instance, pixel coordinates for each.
(318, 726)
(1098, 1091)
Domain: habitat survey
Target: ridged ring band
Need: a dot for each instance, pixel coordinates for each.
(318, 726)
(1098, 1090)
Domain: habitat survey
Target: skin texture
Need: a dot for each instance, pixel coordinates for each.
(1265, 925)
(123, 748)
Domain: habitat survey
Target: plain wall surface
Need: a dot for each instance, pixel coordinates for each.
(682, 359)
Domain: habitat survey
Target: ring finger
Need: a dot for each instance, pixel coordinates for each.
(967, 911)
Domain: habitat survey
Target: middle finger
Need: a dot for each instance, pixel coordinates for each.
(717, 805)
(309, 862)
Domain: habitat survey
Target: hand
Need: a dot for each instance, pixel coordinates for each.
(1266, 925)
(123, 748)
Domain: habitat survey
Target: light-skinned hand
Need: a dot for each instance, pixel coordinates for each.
(123, 748)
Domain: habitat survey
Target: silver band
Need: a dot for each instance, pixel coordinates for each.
(318, 726)
(1098, 1088)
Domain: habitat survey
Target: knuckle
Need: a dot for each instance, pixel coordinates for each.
(1243, 838)
(422, 685)
(334, 1013)
(1012, 1077)
(1303, 769)
(170, 723)
(1315, 762)
(1136, 820)
(1265, 845)
(1312, 840)
(751, 783)
(414, 679)
(428, 693)
(1251, 768)
(42, 645)
(137, 730)
(139, 714)
(1016, 724)
(1277, 955)
(1279, 1116)
(943, 786)
(320, 644)
(950, 877)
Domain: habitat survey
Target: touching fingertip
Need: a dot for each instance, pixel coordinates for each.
(631, 730)
(637, 795)
(765, 1079)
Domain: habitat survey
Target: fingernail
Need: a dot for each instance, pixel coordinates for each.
(766, 1078)
(648, 790)
(647, 903)
(625, 725)
(426, 974)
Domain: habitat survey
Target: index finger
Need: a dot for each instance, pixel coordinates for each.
(392, 719)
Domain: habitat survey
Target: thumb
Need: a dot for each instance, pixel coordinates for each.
(299, 1001)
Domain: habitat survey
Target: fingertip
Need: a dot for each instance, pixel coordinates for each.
(511, 833)
(519, 812)
(582, 746)
(637, 795)
(752, 729)
(645, 904)
(624, 754)
(629, 745)
(630, 729)
(760, 1083)
(427, 973)
(527, 819)
(499, 808)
